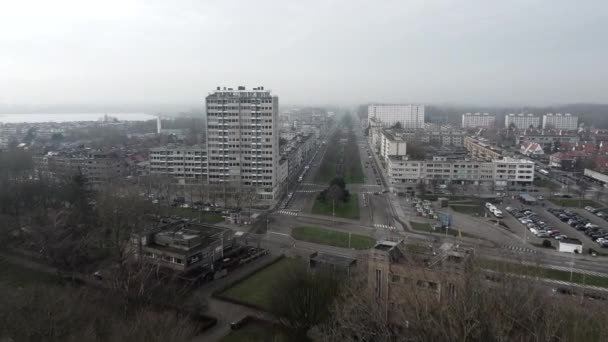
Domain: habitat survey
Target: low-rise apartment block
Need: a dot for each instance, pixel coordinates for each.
(405, 174)
(481, 149)
(96, 166)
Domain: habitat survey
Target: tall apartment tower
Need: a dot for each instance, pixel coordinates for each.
(243, 141)
(409, 115)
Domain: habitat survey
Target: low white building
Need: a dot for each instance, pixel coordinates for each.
(571, 246)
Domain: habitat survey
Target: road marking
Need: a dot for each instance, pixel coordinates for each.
(385, 226)
(520, 249)
(288, 212)
(307, 191)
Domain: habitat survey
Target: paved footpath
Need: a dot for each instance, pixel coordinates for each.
(227, 312)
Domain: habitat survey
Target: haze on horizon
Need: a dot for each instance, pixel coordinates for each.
(344, 52)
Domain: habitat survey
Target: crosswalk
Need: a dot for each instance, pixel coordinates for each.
(385, 226)
(520, 249)
(288, 212)
(307, 191)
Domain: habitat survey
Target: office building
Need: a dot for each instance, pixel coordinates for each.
(560, 121)
(522, 121)
(408, 115)
(243, 140)
(182, 246)
(478, 120)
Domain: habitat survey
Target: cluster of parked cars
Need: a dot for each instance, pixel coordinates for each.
(601, 213)
(423, 208)
(535, 223)
(593, 231)
(494, 210)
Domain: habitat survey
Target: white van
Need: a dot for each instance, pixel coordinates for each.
(497, 213)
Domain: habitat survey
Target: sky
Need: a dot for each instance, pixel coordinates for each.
(479, 52)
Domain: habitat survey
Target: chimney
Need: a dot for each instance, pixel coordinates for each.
(158, 125)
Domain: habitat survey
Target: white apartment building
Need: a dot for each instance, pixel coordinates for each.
(391, 145)
(560, 121)
(405, 174)
(522, 121)
(243, 140)
(409, 115)
(478, 120)
(185, 163)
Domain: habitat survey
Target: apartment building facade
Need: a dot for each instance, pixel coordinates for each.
(186, 163)
(560, 121)
(522, 121)
(243, 140)
(391, 145)
(480, 149)
(409, 115)
(96, 166)
(404, 174)
(478, 120)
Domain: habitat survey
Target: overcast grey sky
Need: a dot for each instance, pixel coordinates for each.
(315, 51)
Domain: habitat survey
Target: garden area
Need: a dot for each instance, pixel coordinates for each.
(332, 237)
(256, 290)
(348, 209)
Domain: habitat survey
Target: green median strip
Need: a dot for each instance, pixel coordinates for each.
(542, 272)
(348, 209)
(332, 237)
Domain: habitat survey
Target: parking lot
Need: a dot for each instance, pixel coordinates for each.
(555, 223)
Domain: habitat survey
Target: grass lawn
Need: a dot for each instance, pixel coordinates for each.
(15, 275)
(353, 169)
(541, 272)
(331, 237)
(257, 289)
(255, 331)
(348, 210)
(428, 228)
(327, 169)
(468, 208)
(574, 202)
